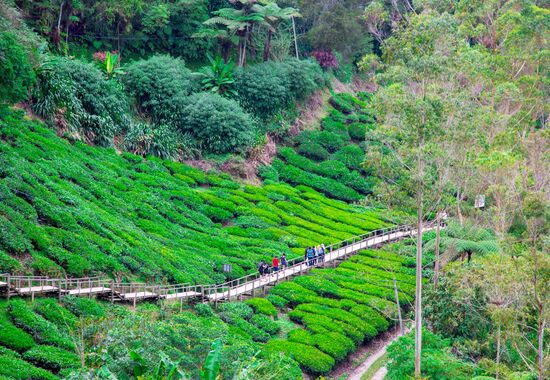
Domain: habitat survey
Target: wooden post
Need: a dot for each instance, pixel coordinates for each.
(112, 291)
(8, 286)
(59, 290)
(398, 307)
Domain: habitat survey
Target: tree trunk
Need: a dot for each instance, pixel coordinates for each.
(540, 348)
(497, 374)
(398, 307)
(56, 35)
(267, 45)
(458, 210)
(437, 240)
(418, 300)
(295, 40)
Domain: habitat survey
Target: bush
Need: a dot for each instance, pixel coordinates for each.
(13, 337)
(313, 150)
(334, 344)
(158, 84)
(262, 305)
(204, 310)
(310, 358)
(8, 264)
(161, 141)
(75, 95)
(268, 88)
(41, 329)
(278, 301)
(52, 358)
(218, 125)
(18, 369)
(265, 323)
(329, 140)
(351, 155)
(16, 73)
(84, 307)
(236, 309)
(438, 361)
(357, 131)
(53, 312)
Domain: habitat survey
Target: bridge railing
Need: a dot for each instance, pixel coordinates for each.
(298, 263)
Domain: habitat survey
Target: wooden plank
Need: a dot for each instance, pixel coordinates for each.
(138, 295)
(37, 289)
(96, 290)
(180, 295)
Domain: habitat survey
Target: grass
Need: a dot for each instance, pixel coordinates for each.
(378, 363)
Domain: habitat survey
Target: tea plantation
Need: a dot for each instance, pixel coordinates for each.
(335, 311)
(330, 160)
(72, 209)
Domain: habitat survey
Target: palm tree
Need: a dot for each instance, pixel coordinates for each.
(273, 15)
(236, 22)
(462, 241)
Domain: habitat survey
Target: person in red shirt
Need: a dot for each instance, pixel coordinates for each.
(275, 264)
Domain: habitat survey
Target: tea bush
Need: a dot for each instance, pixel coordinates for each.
(262, 306)
(13, 337)
(41, 329)
(310, 358)
(18, 369)
(52, 358)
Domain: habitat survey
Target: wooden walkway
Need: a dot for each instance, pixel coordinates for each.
(12, 285)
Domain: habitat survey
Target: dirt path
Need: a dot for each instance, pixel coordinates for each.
(363, 367)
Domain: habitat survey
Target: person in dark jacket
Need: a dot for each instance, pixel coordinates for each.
(310, 256)
(284, 263)
(321, 253)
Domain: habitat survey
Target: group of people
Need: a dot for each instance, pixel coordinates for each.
(264, 268)
(314, 255)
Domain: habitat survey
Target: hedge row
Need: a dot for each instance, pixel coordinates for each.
(41, 329)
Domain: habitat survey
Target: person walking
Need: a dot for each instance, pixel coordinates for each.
(261, 268)
(284, 263)
(275, 264)
(310, 256)
(306, 252)
(322, 252)
(315, 255)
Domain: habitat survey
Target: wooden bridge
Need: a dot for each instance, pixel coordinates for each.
(247, 286)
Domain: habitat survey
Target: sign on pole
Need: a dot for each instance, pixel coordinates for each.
(480, 201)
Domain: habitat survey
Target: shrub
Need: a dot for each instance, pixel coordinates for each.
(8, 264)
(357, 131)
(84, 307)
(346, 102)
(158, 84)
(268, 88)
(326, 59)
(18, 369)
(262, 305)
(313, 150)
(13, 337)
(52, 358)
(16, 73)
(265, 323)
(74, 94)
(53, 312)
(41, 329)
(276, 300)
(237, 309)
(204, 310)
(351, 155)
(310, 358)
(438, 360)
(161, 141)
(334, 344)
(217, 124)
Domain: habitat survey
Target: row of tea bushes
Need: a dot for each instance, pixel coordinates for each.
(330, 160)
(69, 209)
(341, 308)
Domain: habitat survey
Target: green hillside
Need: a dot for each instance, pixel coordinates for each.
(71, 209)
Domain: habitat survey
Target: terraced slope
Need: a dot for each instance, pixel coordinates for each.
(330, 160)
(341, 308)
(72, 209)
